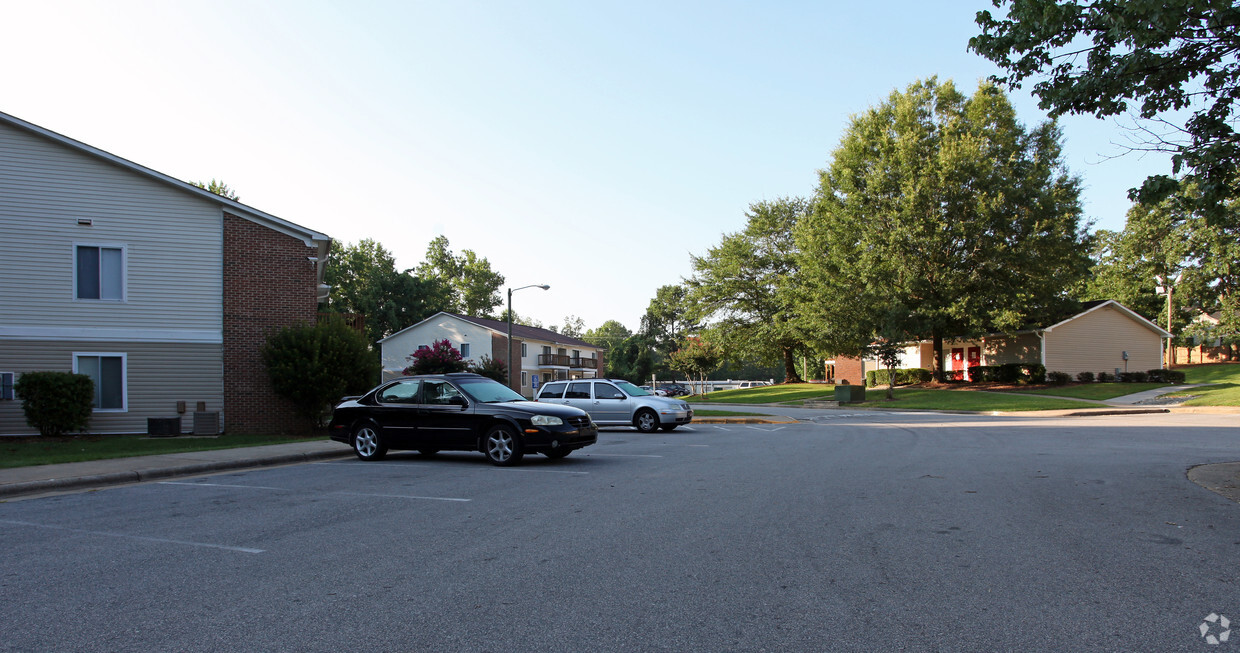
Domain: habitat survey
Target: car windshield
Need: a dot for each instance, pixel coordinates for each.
(489, 391)
(632, 390)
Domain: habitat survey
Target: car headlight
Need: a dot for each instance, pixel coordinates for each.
(546, 420)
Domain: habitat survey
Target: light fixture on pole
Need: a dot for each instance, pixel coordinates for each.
(510, 291)
(1169, 355)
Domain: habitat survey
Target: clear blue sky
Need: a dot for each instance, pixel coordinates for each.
(592, 146)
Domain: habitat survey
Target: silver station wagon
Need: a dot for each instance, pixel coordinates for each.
(613, 402)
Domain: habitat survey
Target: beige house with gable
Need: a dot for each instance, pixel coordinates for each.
(1105, 336)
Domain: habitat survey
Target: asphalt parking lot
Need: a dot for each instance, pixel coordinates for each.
(940, 532)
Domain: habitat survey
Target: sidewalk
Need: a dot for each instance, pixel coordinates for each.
(42, 479)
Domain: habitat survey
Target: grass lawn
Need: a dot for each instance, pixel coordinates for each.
(935, 399)
(1095, 390)
(771, 394)
(1225, 392)
(26, 451)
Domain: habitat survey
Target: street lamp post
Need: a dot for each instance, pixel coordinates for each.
(510, 291)
(1169, 355)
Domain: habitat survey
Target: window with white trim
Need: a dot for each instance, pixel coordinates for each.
(6, 386)
(99, 272)
(464, 350)
(108, 371)
(525, 379)
(523, 353)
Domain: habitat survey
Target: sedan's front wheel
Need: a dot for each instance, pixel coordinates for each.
(502, 446)
(367, 443)
(646, 421)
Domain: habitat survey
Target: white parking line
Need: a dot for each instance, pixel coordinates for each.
(140, 538)
(540, 471)
(758, 428)
(401, 496)
(246, 487)
(624, 455)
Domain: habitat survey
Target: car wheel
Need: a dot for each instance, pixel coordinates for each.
(367, 443)
(669, 427)
(557, 453)
(646, 421)
(502, 447)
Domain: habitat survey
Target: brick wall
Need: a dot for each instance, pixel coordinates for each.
(268, 284)
(849, 369)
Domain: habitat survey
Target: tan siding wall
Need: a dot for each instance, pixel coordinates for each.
(173, 241)
(1021, 348)
(158, 376)
(1096, 341)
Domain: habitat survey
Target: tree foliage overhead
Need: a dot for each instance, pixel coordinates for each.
(666, 320)
(364, 280)
(744, 287)
(1157, 59)
(939, 216)
(219, 188)
(474, 284)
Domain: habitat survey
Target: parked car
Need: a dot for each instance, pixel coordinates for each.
(674, 389)
(752, 384)
(654, 391)
(613, 402)
(458, 412)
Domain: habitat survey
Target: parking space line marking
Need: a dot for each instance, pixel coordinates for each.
(247, 487)
(140, 538)
(756, 428)
(541, 471)
(400, 496)
(625, 455)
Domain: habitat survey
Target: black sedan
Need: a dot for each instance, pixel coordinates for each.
(458, 412)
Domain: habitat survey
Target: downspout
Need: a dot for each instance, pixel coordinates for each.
(1042, 346)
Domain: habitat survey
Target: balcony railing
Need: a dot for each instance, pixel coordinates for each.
(561, 360)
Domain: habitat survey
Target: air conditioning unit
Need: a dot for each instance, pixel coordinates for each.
(206, 422)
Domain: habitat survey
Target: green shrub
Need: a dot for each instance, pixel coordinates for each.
(1058, 378)
(1008, 373)
(1085, 377)
(313, 366)
(1105, 377)
(1165, 376)
(1033, 373)
(1133, 377)
(56, 402)
(907, 376)
(491, 368)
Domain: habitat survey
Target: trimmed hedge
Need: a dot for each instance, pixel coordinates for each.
(907, 376)
(1085, 377)
(1105, 377)
(1133, 377)
(1010, 373)
(1165, 376)
(56, 402)
(1058, 378)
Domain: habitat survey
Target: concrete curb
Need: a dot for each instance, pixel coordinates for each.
(25, 488)
(773, 419)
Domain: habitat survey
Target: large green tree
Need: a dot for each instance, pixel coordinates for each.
(744, 287)
(1171, 64)
(939, 216)
(474, 284)
(666, 320)
(364, 280)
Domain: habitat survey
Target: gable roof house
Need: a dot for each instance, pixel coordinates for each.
(162, 292)
(1103, 336)
(540, 355)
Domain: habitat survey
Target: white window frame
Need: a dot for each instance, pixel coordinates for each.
(464, 350)
(124, 248)
(523, 351)
(7, 380)
(77, 355)
(525, 379)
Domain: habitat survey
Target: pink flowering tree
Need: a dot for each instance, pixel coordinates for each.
(440, 358)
